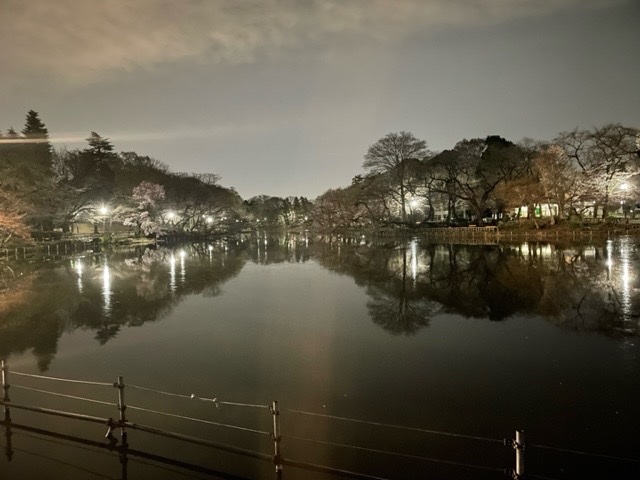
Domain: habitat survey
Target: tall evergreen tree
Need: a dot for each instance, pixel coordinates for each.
(95, 169)
(37, 149)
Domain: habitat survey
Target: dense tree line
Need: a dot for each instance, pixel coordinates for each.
(44, 189)
(577, 174)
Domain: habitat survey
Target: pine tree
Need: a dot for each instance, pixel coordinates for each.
(37, 148)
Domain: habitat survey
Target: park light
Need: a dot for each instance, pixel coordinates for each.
(104, 210)
(170, 215)
(624, 186)
(413, 203)
(209, 219)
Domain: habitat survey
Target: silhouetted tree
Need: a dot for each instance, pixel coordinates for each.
(391, 155)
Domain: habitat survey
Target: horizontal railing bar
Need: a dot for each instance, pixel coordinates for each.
(578, 452)
(192, 419)
(56, 413)
(395, 454)
(123, 450)
(193, 396)
(401, 427)
(111, 404)
(58, 379)
(199, 441)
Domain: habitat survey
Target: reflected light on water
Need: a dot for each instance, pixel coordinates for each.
(626, 278)
(79, 272)
(106, 289)
(172, 273)
(545, 251)
(414, 260)
(183, 272)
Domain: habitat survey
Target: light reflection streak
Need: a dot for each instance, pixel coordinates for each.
(609, 247)
(172, 273)
(106, 290)
(414, 260)
(626, 277)
(79, 272)
(183, 273)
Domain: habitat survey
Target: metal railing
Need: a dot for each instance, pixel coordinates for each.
(123, 424)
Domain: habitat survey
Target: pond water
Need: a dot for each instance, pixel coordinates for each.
(478, 340)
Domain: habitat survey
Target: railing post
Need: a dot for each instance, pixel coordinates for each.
(122, 407)
(276, 436)
(5, 390)
(4, 376)
(518, 446)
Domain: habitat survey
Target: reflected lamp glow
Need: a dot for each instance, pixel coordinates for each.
(79, 272)
(414, 260)
(183, 270)
(172, 273)
(106, 289)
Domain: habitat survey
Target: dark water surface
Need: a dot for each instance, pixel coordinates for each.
(471, 339)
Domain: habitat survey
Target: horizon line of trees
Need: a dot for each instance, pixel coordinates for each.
(580, 172)
(43, 188)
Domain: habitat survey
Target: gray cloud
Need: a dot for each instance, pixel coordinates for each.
(83, 41)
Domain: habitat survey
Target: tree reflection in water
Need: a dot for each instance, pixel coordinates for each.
(589, 288)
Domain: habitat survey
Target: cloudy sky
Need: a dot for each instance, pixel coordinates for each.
(283, 97)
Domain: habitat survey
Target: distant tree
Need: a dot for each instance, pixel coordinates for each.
(143, 214)
(198, 206)
(95, 169)
(337, 208)
(269, 211)
(606, 157)
(474, 169)
(37, 148)
(372, 193)
(558, 177)
(391, 155)
(12, 225)
(25, 170)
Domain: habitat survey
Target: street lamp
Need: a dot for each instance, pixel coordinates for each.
(624, 187)
(413, 204)
(104, 211)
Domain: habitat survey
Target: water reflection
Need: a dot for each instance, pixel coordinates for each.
(172, 273)
(106, 290)
(78, 267)
(583, 288)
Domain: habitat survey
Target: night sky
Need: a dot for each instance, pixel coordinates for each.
(283, 97)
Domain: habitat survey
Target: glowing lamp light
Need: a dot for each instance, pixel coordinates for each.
(624, 186)
(104, 210)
